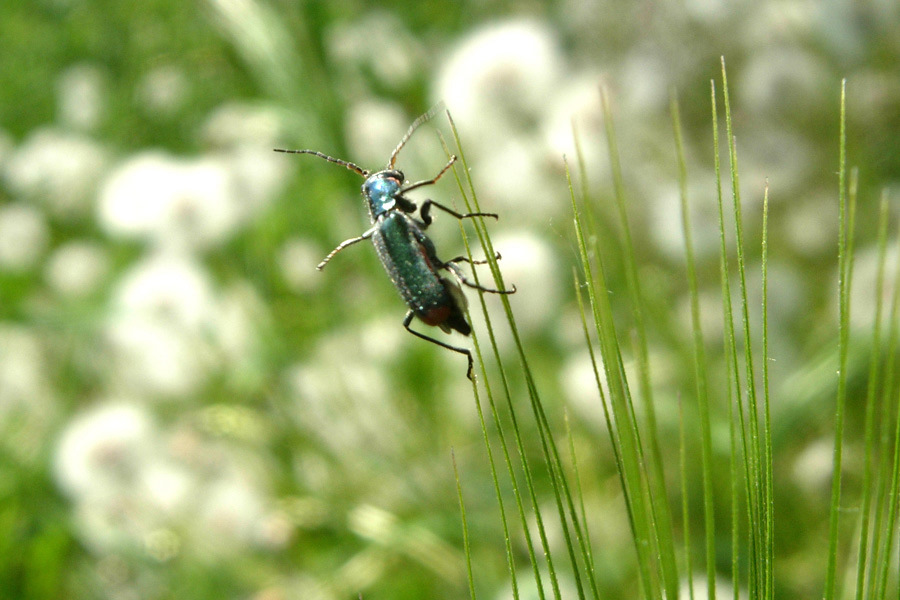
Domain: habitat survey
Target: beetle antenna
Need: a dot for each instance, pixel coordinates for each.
(343, 163)
(422, 118)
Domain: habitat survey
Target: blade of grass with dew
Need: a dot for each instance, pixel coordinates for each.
(498, 422)
(844, 299)
(886, 396)
(548, 446)
(560, 486)
(700, 364)
(465, 526)
(869, 427)
(685, 499)
(894, 506)
(661, 512)
(563, 496)
(731, 362)
(613, 435)
(620, 425)
(768, 475)
(886, 490)
(752, 448)
(580, 491)
(510, 557)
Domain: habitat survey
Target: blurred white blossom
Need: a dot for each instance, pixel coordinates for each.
(501, 75)
(103, 449)
(297, 260)
(166, 287)
(577, 105)
(154, 358)
(579, 382)
(23, 236)
(780, 79)
(378, 42)
(235, 124)
(864, 285)
(59, 168)
(76, 268)
(373, 130)
(231, 512)
(501, 84)
(173, 203)
(134, 488)
(169, 327)
(163, 90)
(529, 263)
(81, 96)
(23, 366)
(813, 467)
(160, 324)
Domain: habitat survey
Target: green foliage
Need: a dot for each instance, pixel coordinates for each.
(189, 410)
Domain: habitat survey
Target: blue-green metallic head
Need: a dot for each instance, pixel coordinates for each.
(380, 191)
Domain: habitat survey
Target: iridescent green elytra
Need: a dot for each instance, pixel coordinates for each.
(407, 254)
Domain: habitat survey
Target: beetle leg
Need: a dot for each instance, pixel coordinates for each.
(431, 181)
(408, 319)
(451, 266)
(425, 213)
(473, 262)
(343, 245)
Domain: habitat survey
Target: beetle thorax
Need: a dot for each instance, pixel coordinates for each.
(380, 191)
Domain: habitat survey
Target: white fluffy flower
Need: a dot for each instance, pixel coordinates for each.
(172, 202)
(23, 236)
(76, 268)
(59, 168)
(102, 448)
(503, 72)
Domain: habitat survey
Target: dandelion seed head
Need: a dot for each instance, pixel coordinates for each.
(163, 90)
(77, 268)
(377, 43)
(22, 369)
(814, 465)
(102, 448)
(81, 96)
(61, 169)
(503, 72)
(530, 264)
(181, 204)
(23, 236)
(169, 288)
(298, 259)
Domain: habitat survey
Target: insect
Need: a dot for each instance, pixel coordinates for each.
(407, 254)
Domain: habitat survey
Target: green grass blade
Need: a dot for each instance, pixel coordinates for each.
(893, 495)
(510, 557)
(749, 425)
(700, 365)
(885, 493)
(529, 484)
(552, 461)
(731, 362)
(589, 558)
(871, 392)
(685, 500)
(465, 526)
(617, 415)
(767, 413)
(843, 293)
(661, 513)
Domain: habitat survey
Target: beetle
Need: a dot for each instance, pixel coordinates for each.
(406, 252)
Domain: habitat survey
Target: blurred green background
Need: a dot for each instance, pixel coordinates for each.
(189, 410)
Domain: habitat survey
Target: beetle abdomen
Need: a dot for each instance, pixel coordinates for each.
(409, 259)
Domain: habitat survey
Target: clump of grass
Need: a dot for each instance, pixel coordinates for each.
(663, 565)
